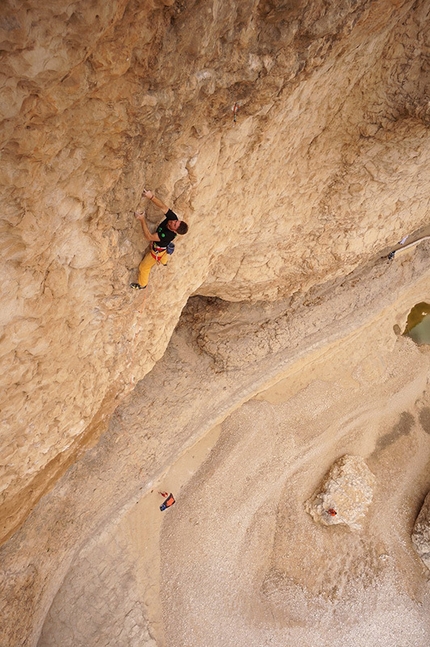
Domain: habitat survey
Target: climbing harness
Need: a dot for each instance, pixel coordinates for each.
(157, 252)
(415, 242)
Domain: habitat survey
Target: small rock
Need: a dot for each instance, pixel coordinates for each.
(345, 493)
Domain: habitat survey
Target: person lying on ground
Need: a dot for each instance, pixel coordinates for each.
(165, 234)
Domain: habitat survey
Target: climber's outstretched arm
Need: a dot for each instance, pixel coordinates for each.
(151, 237)
(148, 194)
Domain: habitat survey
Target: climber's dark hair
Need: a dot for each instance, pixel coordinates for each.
(182, 228)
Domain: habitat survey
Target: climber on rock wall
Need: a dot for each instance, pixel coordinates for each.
(161, 241)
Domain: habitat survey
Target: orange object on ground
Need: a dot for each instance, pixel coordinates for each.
(168, 502)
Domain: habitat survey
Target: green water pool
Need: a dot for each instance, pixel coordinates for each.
(418, 324)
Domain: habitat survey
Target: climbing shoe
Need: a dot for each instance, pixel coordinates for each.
(136, 286)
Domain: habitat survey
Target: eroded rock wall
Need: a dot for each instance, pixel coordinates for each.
(196, 386)
(326, 164)
(239, 536)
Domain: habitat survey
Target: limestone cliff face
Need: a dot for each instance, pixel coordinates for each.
(326, 165)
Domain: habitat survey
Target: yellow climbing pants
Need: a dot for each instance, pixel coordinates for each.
(148, 263)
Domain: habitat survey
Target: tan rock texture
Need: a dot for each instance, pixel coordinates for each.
(238, 545)
(327, 164)
(193, 394)
(344, 495)
(421, 532)
(291, 208)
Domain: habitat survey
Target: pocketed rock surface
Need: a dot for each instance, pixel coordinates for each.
(354, 387)
(326, 165)
(237, 560)
(292, 208)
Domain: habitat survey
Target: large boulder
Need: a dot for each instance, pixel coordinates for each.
(345, 493)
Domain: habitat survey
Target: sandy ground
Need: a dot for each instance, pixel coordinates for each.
(245, 565)
(237, 561)
(143, 527)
